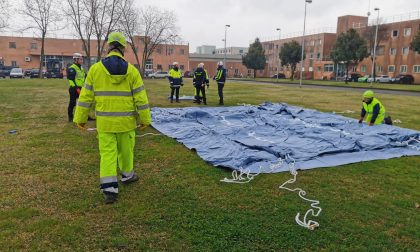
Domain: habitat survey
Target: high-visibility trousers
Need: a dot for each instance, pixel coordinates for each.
(117, 151)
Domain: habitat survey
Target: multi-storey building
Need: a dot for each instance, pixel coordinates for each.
(232, 50)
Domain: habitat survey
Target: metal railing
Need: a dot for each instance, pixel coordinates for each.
(414, 15)
(299, 34)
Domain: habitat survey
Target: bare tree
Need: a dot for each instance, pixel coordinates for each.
(369, 34)
(4, 13)
(82, 23)
(157, 27)
(130, 25)
(42, 15)
(105, 15)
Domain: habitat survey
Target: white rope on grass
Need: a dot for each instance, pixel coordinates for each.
(344, 112)
(309, 224)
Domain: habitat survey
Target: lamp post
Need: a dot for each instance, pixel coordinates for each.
(278, 66)
(224, 58)
(303, 43)
(374, 48)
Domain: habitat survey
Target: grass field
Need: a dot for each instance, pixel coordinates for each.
(385, 86)
(50, 199)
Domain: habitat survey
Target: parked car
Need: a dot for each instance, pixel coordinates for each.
(404, 79)
(364, 78)
(384, 79)
(34, 73)
(27, 72)
(188, 74)
(16, 73)
(147, 72)
(159, 74)
(2, 75)
(353, 77)
(281, 76)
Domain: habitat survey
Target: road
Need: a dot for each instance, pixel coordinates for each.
(296, 85)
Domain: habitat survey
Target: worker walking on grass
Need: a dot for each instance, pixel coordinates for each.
(373, 110)
(200, 80)
(175, 81)
(76, 77)
(221, 79)
(117, 88)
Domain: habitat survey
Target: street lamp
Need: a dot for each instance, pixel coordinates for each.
(374, 47)
(278, 66)
(224, 58)
(303, 43)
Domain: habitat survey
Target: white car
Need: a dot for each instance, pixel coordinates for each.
(16, 73)
(384, 79)
(159, 74)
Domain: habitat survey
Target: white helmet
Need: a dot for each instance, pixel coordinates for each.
(220, 63)
(77, 56)
(201, 65)
(175, 63)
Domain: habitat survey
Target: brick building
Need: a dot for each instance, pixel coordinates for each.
(394, 55)
(24, 52)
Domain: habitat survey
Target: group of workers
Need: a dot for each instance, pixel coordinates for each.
(121, 105)
(200, 82)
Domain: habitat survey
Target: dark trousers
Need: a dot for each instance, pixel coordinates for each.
(220, 87)
(73, 97)
(202, 89)
(176, 91)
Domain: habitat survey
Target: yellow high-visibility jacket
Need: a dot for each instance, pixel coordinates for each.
(120, 99)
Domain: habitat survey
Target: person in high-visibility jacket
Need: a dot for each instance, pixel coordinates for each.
(76, 77)
(175, 81)
(200, 80)
(220, 77)
(120, 96)
(372, 109)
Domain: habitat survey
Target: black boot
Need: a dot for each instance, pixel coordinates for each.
(204, 101)
(110, 198)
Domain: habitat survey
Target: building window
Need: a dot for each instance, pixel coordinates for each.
(320, 42)
(159, 51)
(407, 32)
(380, 50)
(170, 51)
(392, 51)
(416, 68)
(354, 69)
(236, 71)
(318, 55)
(328, 68)
(395, 33)
(403, 68)
(181, 51)
(312, 42)
(159, 67)
(391, 68)
(318, 69)
(12, 45)
(14, 63)
(34, 46)
(242, 51)
(405, 50)
(379, 69)
(363, 68)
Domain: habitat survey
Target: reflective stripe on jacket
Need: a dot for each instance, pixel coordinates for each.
(175, 78)
(80, 76)
(369, 111)
(119, 99)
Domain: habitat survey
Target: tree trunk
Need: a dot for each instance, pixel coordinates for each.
(41, 73)
(255, 73)
(347, 72)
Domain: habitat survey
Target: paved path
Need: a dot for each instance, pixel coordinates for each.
(296, 85)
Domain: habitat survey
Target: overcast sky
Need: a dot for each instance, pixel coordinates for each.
(202, 22)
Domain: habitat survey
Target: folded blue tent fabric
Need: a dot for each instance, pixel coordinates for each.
(258, 137)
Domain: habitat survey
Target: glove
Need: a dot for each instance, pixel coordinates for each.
(82, 126)
(361, 120)
(182, 84)
(78, 89)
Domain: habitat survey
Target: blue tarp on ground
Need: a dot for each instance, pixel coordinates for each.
(255, 137)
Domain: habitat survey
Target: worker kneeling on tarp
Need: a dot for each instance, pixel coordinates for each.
(373, 110)
(117, 88)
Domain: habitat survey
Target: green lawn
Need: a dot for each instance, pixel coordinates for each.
(386, 86)
(50, 199)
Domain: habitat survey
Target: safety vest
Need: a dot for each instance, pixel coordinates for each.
(175, 77)
(80, 76)
(119, 99)
(369, 111)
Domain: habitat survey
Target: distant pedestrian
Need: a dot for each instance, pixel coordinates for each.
(175, 81)
(200, 80)
(221, 79)
(118, 90)
(76, 78)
